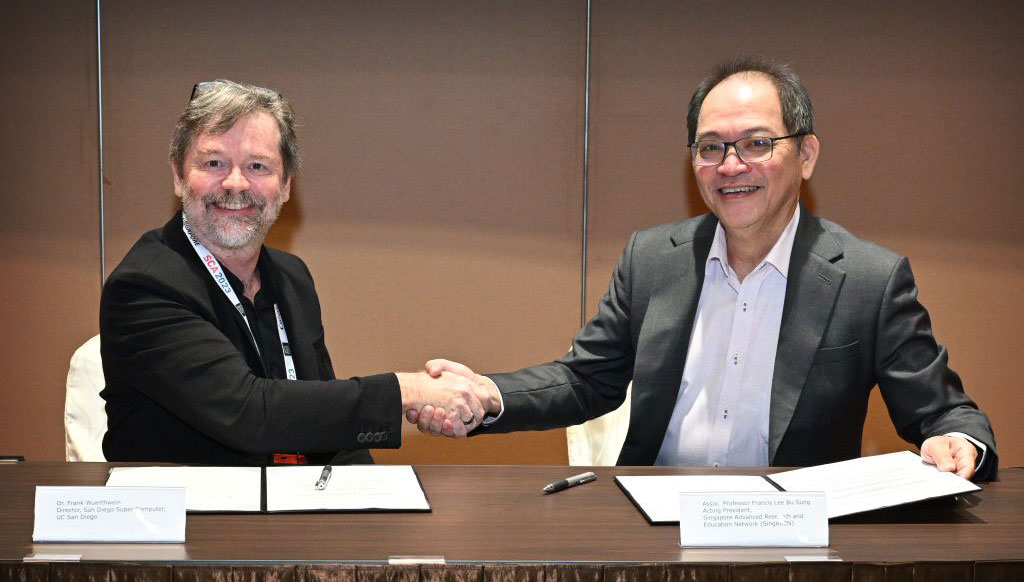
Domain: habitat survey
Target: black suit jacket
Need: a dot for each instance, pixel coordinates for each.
(850, 320)
(183, 378)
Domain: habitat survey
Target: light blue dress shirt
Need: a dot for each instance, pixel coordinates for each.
(721, 412)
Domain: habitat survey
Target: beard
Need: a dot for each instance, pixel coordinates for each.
(230, 232)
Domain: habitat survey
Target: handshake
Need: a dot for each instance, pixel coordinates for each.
(447, 398)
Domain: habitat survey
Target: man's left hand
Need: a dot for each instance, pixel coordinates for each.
(951, 453)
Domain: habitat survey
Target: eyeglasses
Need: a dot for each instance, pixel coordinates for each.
(749, 150)
(205, 86)
(202, 87)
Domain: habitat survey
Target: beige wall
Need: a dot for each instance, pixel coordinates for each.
(918, 108)
(49, 215)
(440, 203)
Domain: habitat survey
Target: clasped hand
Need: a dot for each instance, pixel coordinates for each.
(448, 398)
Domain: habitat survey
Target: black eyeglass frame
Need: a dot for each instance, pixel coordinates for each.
(725, 147)
(204, 85)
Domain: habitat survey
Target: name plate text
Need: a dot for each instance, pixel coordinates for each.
(746, 519)
(109, 514)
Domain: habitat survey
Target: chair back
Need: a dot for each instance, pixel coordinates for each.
(85, 418)
(598, 441)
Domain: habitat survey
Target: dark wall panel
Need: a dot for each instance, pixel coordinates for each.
(49, 214)
(438, 207)
(918, 112)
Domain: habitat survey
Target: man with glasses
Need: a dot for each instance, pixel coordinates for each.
(212, 344)
(753, 335)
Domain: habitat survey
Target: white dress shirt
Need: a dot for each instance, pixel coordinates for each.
(721, 413)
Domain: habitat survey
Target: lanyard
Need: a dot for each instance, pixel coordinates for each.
(217, 272)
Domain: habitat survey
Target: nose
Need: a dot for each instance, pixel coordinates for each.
(732, 164)
(235, 181)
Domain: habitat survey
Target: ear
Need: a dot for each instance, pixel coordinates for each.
(179, 181)
(808, 155)
(286, 190)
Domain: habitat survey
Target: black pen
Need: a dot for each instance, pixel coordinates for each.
(325, 476)
(570, 482)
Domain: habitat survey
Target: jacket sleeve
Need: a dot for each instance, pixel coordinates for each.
(587, 382)
(924, 396)
(160, 337)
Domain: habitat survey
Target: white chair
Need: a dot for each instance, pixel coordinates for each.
(598, 441)
(85, 419)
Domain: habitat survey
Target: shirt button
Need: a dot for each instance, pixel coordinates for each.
(746, 304)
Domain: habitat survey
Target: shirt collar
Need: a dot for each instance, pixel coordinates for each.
(268, 293)
(777, 257)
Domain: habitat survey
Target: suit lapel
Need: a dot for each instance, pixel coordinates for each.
(669, 319)
(811, 292)
(177, 241)
(299, 341)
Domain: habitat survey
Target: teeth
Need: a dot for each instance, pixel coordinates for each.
(738, 190)
(232, 205)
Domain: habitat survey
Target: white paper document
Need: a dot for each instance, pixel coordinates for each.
(852, 486)
(657, 496)
(227, 489)
(874, 482)
(284, 488)
(350, 488)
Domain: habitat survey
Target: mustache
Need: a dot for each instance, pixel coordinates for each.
(244, 197)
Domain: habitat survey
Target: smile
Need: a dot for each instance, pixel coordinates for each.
(737, 190)
(232, 204)
(242, 201)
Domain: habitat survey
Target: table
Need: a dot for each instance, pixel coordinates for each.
(492, 524)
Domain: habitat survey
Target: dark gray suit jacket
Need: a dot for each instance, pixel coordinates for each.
(851, 320)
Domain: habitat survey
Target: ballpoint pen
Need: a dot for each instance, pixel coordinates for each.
(325, 476)
(570, 482)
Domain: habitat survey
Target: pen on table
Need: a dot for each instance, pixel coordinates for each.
(325, 476)
(570, 482)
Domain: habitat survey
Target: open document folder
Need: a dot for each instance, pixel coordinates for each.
(850, 487)
(284, 488)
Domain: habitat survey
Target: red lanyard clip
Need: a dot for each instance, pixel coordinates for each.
(289, 459)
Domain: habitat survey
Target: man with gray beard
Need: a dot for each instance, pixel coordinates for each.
(212, 344)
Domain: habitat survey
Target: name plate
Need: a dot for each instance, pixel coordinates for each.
(745, 519)
(109, 514)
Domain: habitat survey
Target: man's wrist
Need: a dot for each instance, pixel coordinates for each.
(492, 414)
(410, 386)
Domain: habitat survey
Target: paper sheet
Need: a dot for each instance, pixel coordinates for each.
(657, 496)
(206, 488)
(874, 482)
(351, 488)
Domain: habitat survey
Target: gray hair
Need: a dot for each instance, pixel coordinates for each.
(797, 110)
(216, 106)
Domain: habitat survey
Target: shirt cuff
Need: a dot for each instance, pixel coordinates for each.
(490, 419)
